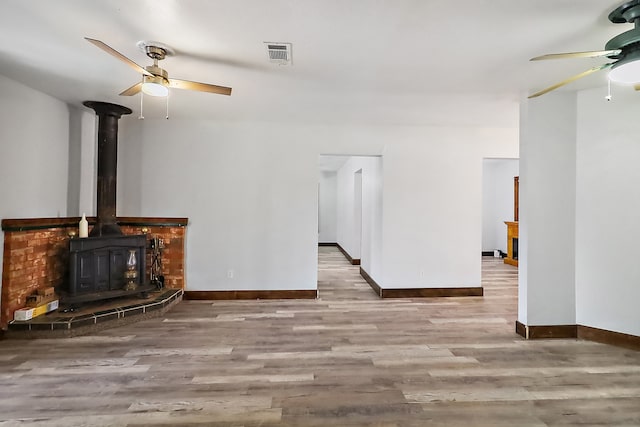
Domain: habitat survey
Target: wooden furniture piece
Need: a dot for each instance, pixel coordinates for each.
(512, 243)
(516, 197)
(512, 227)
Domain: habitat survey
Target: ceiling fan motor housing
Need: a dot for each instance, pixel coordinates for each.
(629, 41)
(155, 52)
(624, 40)
(628, 12)
(160, 76)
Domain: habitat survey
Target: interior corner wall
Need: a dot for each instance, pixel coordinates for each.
(497, 201)
(130, 196)
(81, 193)
(547, 210)
(327, 209)
(607, 206)
(34, 152)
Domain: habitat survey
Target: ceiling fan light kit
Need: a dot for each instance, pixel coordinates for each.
(626, 71)
(155, 86)
(624, 50)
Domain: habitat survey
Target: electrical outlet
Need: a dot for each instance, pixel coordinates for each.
(230, 274)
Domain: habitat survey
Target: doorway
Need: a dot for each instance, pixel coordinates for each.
(497, 203)
(350, 207)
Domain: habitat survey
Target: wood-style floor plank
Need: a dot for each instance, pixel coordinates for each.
(348, 358)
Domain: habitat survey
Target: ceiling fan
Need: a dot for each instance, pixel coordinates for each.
(624, 50)
(155, 80)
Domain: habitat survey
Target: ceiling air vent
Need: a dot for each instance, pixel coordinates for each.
(279, 53)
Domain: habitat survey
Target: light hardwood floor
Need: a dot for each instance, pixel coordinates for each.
(346, 359)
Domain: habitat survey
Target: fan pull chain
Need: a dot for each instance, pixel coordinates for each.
(141, 117)
(608, 97)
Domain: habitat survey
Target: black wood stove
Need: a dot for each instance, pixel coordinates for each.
(107, 264)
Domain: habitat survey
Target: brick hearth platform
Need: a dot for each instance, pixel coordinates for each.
(36, 254)
(97, 316)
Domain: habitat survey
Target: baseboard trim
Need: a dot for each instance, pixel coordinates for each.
(353, 261)
(420, 292)
(604, 336)
(546, 331)
(586, 333)
(432, 292)
(327, 244)
(248, 295)
(521, 329)
(371, 282)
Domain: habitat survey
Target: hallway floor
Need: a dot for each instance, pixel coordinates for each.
(345, 359)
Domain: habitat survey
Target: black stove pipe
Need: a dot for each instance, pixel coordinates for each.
(108, 116)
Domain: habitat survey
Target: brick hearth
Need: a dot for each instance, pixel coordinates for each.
(36, 254)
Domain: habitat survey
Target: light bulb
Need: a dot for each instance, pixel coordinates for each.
(154, 89)
(626, 73)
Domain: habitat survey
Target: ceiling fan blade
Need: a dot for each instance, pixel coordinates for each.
(202, 87)
(571, 79)
(589, 54)
(121, 57)
(136, 88)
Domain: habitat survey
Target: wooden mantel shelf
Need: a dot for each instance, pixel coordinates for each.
(512, 233)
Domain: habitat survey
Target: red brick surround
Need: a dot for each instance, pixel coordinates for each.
(36, 254)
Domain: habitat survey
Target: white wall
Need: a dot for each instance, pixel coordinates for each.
(547, 210)
(34, 130)
(371, 249)
(360, 211)
(327, 209)
(432, 189)
(607, 207)
(34, 152)
(349, 223)
(250, 191)
(497, 201)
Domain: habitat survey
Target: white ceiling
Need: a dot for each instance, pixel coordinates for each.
(355, 61)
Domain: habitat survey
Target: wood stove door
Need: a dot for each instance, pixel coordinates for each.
(84, 262)
(118, 266)
(101, 272)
